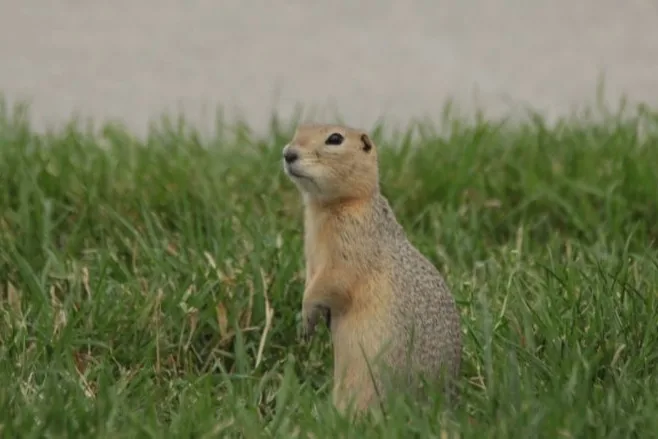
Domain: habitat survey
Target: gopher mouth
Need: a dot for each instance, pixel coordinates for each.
(295, 173)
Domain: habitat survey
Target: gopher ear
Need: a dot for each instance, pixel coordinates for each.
(367, 143)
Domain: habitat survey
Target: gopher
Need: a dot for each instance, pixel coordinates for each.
(394, 323)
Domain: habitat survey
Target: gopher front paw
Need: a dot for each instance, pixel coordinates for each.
(309, 321)
(327, 317)
(311, 316)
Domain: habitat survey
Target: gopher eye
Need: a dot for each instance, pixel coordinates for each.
(334, 139)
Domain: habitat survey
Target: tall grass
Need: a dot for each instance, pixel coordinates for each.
(152, 287)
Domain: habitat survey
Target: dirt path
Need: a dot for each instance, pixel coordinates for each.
(132, 60)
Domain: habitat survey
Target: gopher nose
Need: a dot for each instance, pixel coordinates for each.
(290, 156)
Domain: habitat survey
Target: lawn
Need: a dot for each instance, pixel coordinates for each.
(152, 288)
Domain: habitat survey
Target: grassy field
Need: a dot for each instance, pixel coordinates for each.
(152, 288)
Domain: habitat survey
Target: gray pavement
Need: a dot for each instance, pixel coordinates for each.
(132, 60)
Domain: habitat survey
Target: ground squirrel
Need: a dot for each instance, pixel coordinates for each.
(377, 291)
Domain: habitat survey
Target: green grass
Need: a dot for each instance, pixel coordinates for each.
(153, 288)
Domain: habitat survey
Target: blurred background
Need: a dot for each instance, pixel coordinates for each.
(366, 60)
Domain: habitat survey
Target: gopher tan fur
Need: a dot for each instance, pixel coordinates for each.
(392, 316)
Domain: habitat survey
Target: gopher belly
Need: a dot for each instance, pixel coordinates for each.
(364, 350)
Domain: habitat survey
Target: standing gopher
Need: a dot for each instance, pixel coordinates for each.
(392, 317)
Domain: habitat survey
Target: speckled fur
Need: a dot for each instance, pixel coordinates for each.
(380, 290)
